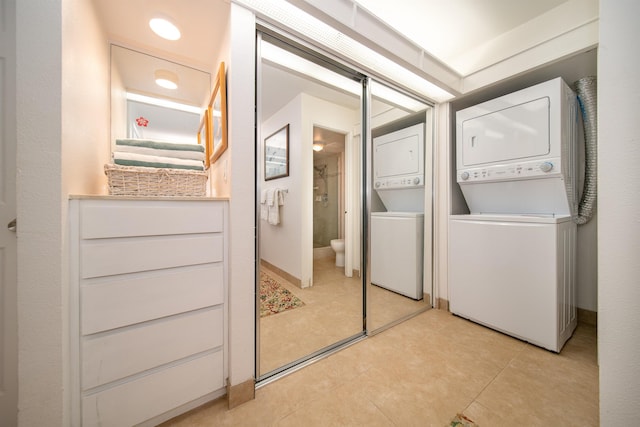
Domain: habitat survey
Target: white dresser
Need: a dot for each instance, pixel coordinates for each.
(147, 302)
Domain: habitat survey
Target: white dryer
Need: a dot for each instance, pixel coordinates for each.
(517, 153)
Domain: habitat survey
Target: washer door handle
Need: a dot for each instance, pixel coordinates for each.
(13, 225)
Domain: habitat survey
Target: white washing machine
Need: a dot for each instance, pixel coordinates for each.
(512, 260)
(397, 252)
(516, 274)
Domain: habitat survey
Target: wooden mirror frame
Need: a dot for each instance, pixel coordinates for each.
(218, 124)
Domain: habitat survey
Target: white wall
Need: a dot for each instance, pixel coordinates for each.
(619, 213)
(441, 175)
(39, 134)
(63, 128)
(280, 244)
(219, 182)
(241, 279)
(85, 100)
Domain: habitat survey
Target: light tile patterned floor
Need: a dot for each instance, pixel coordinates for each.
(332, 312)
(422, 373)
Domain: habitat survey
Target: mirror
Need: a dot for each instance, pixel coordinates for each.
(401, 208)
(140, 108)
(308, 302)
(312, 255)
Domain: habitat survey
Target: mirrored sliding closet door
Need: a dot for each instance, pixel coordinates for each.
(310, 194)
(344, 205)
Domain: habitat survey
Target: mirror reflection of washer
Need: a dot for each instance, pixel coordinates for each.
(397, 234)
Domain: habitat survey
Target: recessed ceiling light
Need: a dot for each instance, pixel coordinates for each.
(164, 28)
(166, 79)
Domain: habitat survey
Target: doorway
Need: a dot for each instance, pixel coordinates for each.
(314, 296)
(328, 193)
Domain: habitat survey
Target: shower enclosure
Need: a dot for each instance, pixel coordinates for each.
(328, 188)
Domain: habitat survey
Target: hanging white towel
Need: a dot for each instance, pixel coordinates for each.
(264, 209)
(274, 203)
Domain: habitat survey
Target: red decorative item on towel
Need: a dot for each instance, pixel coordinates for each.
(141, 121)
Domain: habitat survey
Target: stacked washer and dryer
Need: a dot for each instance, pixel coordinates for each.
(397, 234)
(512, 260)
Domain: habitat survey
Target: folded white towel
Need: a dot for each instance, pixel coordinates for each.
(117, 155)
(174, 154)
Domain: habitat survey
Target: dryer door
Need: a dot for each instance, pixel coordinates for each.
(517, 132)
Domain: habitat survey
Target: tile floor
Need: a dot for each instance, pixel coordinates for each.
(423, 372)
(332, 312)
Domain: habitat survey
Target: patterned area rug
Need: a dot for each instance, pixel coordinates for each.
(274, 297)
(462, 421)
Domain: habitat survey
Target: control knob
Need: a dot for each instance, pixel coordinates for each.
(546, 166)
(416, 180)
(377, 184)
(464, 176)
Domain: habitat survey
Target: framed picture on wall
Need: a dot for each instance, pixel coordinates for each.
(276, 154)
(218, 116)
(204, 136)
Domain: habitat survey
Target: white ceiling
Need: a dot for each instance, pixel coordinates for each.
(203, 24)
(452, 30)
(455, 31)
(448, 29)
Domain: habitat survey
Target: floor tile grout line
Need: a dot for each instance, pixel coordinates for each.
(524, 347)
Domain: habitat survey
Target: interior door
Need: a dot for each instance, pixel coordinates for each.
(8, 243)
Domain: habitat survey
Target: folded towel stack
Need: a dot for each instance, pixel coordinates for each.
(155, 154)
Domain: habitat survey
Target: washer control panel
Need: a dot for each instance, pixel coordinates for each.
(404, 182)
(520, 170)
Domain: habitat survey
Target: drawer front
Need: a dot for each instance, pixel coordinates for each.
(129, 218)
(138, 400)
(120, 256)
(125, 300)
(125, 352)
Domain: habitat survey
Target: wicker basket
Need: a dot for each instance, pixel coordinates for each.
(141, 181)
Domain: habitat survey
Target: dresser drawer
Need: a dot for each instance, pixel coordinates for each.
(145, 397)
(113, 302)
(120, 256)
(128, 351)
(130, 218)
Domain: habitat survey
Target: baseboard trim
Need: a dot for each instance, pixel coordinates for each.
(442, 304)
(241, 393)
(280, 272)
(587, 317)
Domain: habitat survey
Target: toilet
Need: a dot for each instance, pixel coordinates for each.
(338, 247)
